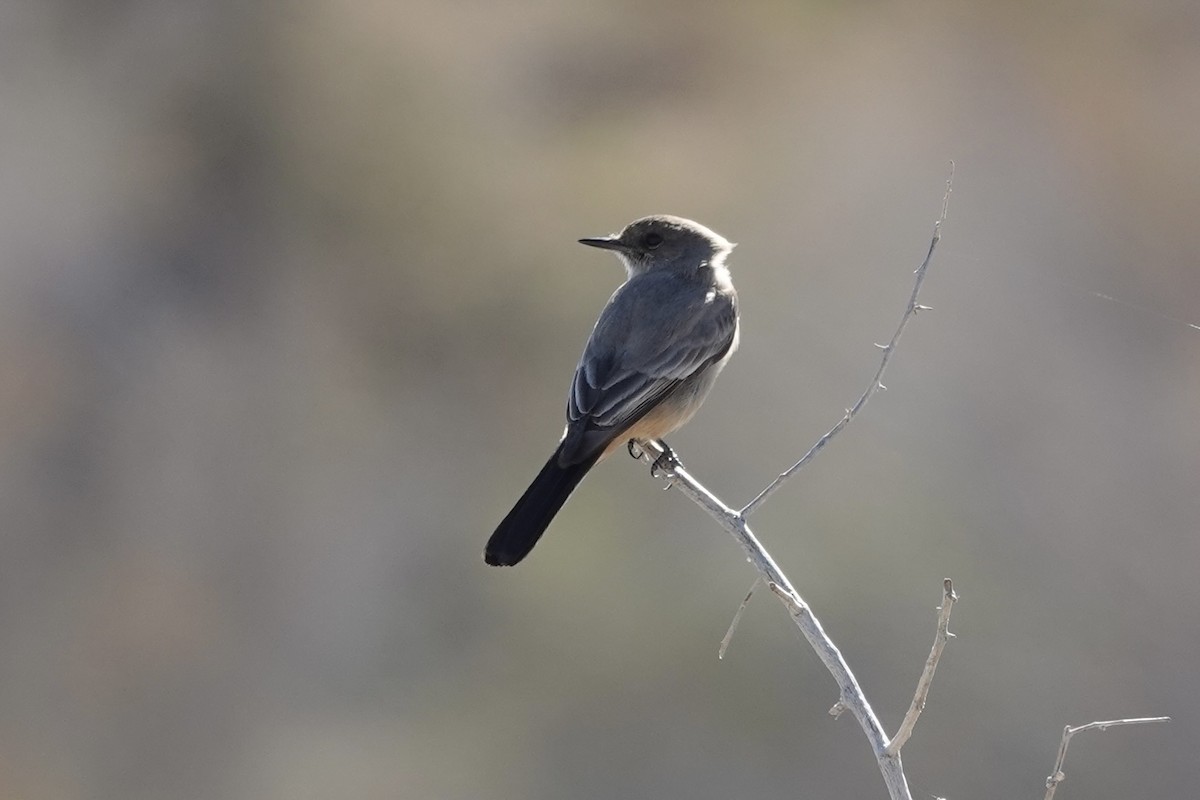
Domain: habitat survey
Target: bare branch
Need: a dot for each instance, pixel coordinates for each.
(850, 695)
(939, 643)
(877, 381)
(1058, 776)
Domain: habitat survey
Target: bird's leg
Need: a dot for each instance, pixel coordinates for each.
(667, 460)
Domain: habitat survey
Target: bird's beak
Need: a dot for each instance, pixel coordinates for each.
(604, 243)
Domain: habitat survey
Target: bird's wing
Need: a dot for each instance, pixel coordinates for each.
(649, 338)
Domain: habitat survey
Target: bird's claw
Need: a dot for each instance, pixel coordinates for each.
(635, 449)
(666, 462)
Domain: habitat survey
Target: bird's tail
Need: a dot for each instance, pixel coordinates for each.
(516, 535)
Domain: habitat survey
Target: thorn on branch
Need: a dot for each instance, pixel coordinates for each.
(790, 599)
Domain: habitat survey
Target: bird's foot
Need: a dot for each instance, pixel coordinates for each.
(666, 462)
(635, 449)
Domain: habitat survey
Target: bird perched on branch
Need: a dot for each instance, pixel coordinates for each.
(651, 359)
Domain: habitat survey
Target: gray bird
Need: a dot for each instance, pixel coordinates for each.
(650, 361)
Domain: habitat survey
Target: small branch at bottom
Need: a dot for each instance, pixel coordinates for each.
(737, 617)
(1058, 776)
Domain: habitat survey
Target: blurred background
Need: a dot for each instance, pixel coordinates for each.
(290, 299)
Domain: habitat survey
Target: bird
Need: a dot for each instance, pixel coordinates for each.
(651, 359)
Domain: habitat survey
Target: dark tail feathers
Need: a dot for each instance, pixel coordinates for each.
(529, 518)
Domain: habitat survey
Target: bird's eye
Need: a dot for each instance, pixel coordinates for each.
(652, 240)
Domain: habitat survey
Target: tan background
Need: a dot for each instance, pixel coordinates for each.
(289, 301)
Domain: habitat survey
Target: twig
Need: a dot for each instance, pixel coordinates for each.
(935, 654)
(1058, 776)
(877, 381)
(737, 617)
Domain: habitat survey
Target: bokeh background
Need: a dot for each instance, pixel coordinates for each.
(289, 302)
